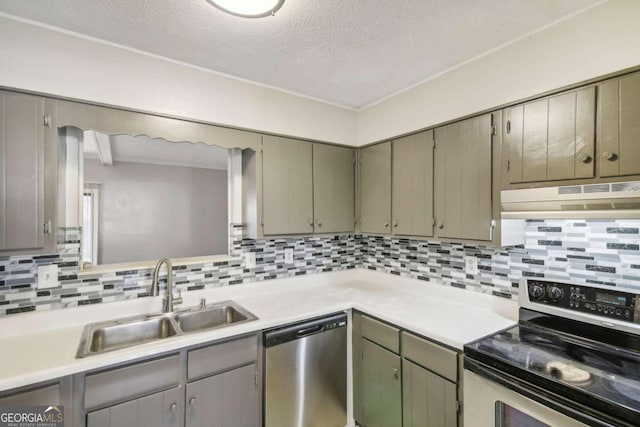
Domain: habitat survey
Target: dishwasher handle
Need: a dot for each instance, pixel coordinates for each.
(304, 329)
(309, 331)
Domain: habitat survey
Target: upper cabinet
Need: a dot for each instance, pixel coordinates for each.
(293, 187)
(619, 126)
(553, 138)
(463, 179)
(412, 185)
(287, 184)
(375, 189)
(333, 188)
(23, 128)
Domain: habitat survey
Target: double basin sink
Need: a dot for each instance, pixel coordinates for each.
(116, 334)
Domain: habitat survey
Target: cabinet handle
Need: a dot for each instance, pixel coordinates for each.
(440, 225)
(319, 223)
(174, 407)
(607, 155)
(584, 158)
(192, 401)
(395, 223)
(395, 373)
(311, 223)
(386, 223)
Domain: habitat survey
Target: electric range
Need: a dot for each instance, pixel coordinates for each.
(573, 359)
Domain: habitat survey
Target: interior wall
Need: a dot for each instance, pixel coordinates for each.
(151, 211)
(42, 60)
(600, 41)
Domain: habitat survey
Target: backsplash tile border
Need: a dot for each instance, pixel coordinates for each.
(605, 252)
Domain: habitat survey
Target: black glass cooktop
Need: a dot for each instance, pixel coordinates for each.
(596, 366)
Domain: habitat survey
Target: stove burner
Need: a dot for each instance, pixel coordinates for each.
(630, 390)
(569, 374)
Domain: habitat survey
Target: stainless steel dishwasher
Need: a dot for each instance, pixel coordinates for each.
(306, 374)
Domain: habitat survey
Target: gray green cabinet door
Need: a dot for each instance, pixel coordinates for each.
(553, 138)
(375, 189)
(380, 387)
(224, 400)
(21, 171)
(412, 185)
(462, 170)
(619, 126)
(287, 186)
(427, 399)
(333, 189)
(156, 410)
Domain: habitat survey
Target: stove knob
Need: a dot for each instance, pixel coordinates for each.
(555, 293)
(537, 291)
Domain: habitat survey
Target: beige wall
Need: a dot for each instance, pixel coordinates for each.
(149, 212)
(600, 41)
(42, 60)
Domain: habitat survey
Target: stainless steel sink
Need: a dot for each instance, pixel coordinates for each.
(213, 317)
(112, 335)
(134, 332)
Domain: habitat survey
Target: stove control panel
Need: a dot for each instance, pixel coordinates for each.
(608, 303)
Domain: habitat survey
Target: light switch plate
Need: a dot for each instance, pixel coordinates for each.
(471, 265)
(250, 260)
(288, 255)
(48, 276)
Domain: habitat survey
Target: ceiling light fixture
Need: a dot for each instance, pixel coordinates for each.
(248, 8)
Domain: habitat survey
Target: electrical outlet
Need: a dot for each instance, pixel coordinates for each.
(48, 276)
(288, 255)
(250, 260)
(471, 265)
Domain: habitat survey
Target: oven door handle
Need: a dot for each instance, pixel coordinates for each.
(548, 399)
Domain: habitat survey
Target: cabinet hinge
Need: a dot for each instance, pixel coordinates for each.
(435, 144)
(508, 126)
(494, 131)
(458, 406)
(47, 120)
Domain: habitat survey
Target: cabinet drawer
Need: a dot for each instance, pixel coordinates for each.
(41, 396)
(222, 357)
(431, 356)
(382, 334)
(131, 381)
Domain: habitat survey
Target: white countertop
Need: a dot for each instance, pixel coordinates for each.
(36, 347)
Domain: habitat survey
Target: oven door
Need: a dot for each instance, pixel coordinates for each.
(489, 404)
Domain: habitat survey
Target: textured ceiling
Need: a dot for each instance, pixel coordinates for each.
(350, 52)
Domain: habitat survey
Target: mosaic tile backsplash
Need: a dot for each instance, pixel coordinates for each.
(594, 251)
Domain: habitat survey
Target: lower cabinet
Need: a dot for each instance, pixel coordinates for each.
(401, 379)
(381, 403)
(223, 400)
(156, 410)
(214, 385)
(58, 393)
(428, 399)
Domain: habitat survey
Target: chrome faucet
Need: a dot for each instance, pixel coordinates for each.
(169, 301)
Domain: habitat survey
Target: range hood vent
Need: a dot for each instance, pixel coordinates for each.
(618, 200)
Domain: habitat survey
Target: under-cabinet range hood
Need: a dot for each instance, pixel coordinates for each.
(619, 200)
